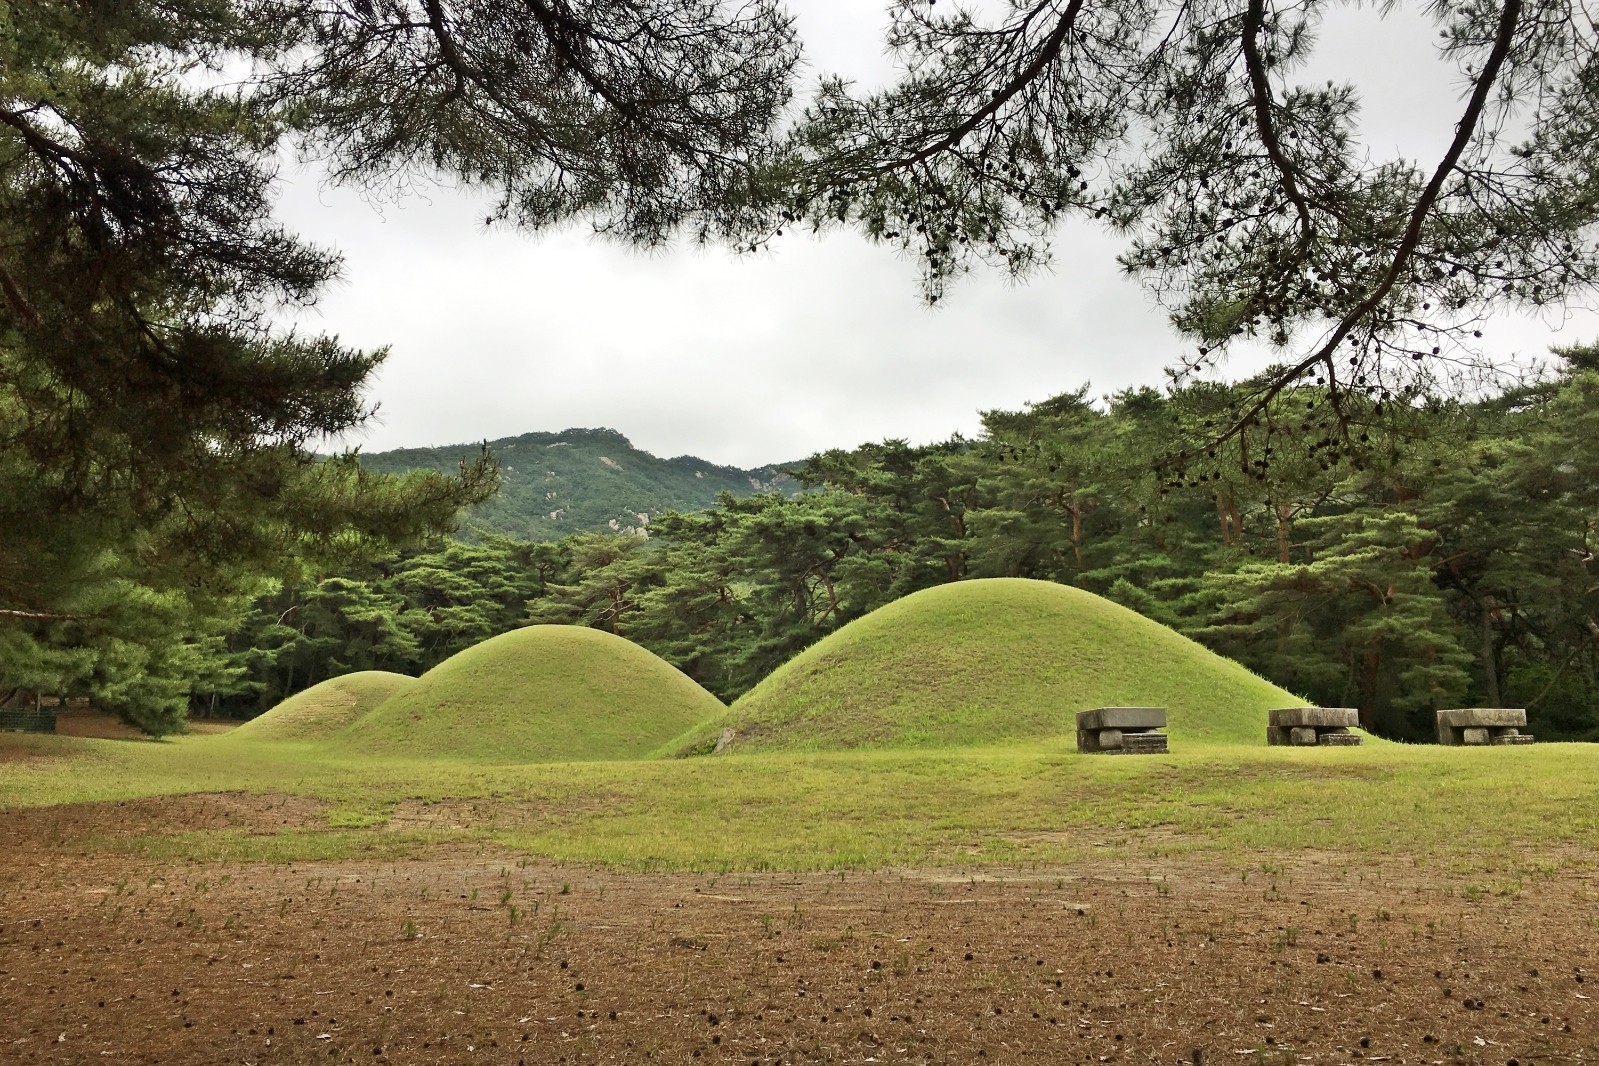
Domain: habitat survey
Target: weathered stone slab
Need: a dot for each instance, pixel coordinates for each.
(1318, 717)
(1276, 736)
(1302, 736)
(1337, 739)
(1122, 718)
(1512, 738)
(1144, 743)
(1482, 717)
(1479, 724)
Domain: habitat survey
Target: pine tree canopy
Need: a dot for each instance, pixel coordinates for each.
(1251, 206)
(155, 425)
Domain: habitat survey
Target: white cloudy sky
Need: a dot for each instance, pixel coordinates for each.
(753, 360)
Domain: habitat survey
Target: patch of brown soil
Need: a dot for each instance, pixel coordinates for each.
(84, 722)
(81, 721)
(48, 830)
(436, 814)
(485, 957)
(208, 727)
(24, 747)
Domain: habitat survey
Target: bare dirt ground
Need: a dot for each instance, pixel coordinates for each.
(468, 957)
(81, 721)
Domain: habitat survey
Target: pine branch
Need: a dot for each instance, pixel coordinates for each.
(1464, 131)
(39, 616)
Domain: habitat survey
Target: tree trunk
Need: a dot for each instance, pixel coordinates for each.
(955, 517)
(1284, 531)
(1228, 513)
(1490, 654)
(1368, 686)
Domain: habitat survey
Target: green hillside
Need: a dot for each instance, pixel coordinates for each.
(583, 480)
(539, 694)
(983, 662)
(325, 708)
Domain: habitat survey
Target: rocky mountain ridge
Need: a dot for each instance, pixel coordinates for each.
(584, 480)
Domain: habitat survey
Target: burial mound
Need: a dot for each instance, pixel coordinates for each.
(545, 693)
(327, 707)
(994, 661)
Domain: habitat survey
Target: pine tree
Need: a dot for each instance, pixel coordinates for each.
(155, 456)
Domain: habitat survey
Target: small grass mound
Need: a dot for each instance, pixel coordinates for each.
(324, 709)
(540, 694)
(994, 661)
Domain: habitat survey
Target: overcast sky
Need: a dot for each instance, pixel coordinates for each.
(821, 344)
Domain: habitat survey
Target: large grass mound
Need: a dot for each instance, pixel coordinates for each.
(325, 708)
(998, 660)
(539, 694)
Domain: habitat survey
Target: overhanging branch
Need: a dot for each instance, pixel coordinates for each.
(1046, 55)
(1411, 237)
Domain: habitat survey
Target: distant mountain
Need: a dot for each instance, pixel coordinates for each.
(584, 480)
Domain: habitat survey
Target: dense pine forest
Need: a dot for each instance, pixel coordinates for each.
(1443, 559)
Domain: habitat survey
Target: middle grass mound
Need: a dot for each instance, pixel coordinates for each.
(992, 661)
(541, 694)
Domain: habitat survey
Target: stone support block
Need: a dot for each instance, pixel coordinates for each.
(1302, 736)
(1474, 736)
(1338, 739)
(1150, 743)
(1113, 730)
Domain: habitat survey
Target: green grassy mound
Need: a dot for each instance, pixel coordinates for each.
(992, 661)
(539, 694)
(326, 708)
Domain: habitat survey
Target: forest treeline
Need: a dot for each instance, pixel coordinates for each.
(1396, 562)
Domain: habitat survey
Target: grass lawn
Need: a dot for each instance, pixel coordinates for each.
(1041, 803)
